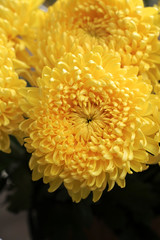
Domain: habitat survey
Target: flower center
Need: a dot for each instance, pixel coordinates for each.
(94, 26)
(88, 121)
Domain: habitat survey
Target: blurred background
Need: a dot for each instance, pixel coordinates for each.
(147, 2)
(29, 212)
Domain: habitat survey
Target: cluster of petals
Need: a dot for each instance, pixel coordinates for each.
(10, 112)
(17, 20)
(16, 26)
(125, 28)
(90, 122)
(92, 112)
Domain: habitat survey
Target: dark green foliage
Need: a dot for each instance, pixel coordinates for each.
(150, 2)
(15, 177)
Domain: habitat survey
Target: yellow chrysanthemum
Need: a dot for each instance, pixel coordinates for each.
(90, 122)
(10, 112)
(17, 18)
(125, 27)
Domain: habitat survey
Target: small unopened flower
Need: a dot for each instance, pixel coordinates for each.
(90, 122)
(10, 112)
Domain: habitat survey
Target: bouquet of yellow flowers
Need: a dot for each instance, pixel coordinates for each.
(80, 92)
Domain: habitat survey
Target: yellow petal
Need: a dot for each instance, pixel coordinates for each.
(96, 195)
(55, 184)
(152, 146)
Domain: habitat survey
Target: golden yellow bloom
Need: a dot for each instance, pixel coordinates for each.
(126, 27)
(10, 112)
(90, 122)
(17, 17)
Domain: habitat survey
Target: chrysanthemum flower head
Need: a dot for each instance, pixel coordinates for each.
(52, 42)
(90, 122)
(125, 27)
(17, 17)
(10, 112)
